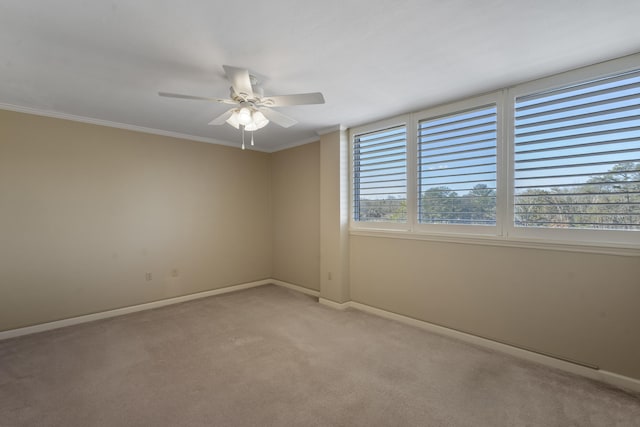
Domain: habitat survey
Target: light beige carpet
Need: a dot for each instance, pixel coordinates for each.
(273, 357)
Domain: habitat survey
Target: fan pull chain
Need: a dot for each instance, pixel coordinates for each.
(252, 139)
(243, 137)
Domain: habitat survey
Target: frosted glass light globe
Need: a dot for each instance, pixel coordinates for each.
(244, 116)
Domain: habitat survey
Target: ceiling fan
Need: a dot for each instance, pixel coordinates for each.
(252, 110)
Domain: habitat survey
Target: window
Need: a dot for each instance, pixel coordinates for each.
(554, 161)
(577, 156)
(380, 175)
(457, 168)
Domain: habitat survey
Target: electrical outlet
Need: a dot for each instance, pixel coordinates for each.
(174, 272)
(330, 276)
(148, 276)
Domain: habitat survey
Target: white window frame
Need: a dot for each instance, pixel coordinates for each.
(453, 108)
(403, 120)
(564, 236)
(505, 233)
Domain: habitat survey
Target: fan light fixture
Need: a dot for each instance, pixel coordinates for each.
(249, 119)
(244, 116)
(258, 121)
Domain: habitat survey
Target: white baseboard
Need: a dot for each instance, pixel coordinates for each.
(298, 288)
(596, 374)
(617, 380)
(333, 304)
(42, 327)
(12, 333)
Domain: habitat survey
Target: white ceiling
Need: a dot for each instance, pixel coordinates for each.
(106, 60)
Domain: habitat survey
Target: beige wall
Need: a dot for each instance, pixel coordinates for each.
(582, 307)
(86, 210)
(334, 217)
(295, 176)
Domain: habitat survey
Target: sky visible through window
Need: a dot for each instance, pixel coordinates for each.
(457, 168)
(577, 156)
(380, 175)
(576, 162)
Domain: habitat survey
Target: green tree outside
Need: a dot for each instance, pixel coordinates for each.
(607, 201)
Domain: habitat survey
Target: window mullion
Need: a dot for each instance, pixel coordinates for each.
(412, 165)
(506, 165)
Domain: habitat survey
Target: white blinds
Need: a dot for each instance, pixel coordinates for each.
(380, 175)
(577, 156)
(457, 168)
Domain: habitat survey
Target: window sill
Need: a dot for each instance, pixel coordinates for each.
(583, 247)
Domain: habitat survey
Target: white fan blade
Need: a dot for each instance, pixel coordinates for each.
(181, 96)
(221, 118)
(240, 80)
(199, 98)
(278, 118)
(295, 99)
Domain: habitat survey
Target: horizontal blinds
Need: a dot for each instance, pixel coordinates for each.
(577, 156)
(380, 175)
(457, 168)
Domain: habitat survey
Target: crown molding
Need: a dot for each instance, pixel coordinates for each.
(294, 144)
(117, 125)
(331, 129)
